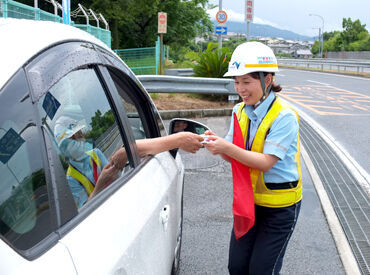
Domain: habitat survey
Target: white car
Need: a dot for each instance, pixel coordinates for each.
(47, 71)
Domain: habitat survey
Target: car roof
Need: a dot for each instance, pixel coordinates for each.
(22, 39)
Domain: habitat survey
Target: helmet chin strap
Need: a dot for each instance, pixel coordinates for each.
(265, 91)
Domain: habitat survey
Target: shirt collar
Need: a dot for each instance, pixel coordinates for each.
(259, 113)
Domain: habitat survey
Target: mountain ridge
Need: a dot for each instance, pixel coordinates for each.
(257, 30)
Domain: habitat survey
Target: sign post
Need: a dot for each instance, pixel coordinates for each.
(221, 17)
(249, 8)
(162, 28)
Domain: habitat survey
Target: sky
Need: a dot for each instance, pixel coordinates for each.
(293, 15)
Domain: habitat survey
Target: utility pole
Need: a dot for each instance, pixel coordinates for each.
(249, 7)
(220, 35)
(321, 34)
(320, 44)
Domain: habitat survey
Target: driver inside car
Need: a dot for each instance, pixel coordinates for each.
(88, 171)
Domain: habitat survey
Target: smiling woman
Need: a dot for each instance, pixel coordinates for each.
(263, 147)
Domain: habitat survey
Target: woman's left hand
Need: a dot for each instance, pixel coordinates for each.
(217, 145)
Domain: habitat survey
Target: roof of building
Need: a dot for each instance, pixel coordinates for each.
(304, 52)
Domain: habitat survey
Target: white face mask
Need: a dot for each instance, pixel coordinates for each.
(75, 149)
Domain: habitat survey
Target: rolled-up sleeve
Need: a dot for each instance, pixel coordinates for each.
(282, 134)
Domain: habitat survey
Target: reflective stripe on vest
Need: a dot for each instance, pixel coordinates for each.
(85, 182)
(262, 195)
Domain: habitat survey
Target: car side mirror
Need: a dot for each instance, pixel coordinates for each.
(185, 125)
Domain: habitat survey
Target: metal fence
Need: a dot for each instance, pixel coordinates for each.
(13, 9)
(359, 67)
(142, 60)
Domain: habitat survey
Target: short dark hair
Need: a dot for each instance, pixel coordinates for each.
(275, 88)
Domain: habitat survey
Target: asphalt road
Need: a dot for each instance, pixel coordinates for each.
(339, 103)
(208, 219)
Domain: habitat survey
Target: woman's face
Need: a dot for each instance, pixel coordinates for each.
(78, 136)
(248, 88)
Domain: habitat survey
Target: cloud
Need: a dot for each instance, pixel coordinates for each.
(239, 17)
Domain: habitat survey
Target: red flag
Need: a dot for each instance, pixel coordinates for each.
(243, 201)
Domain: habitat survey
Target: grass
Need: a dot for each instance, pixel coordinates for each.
(194, 96)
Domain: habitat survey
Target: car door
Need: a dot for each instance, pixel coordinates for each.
(142, 114)
(130, 227)
(28, 216)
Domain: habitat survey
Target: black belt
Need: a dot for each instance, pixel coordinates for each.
(282, 185)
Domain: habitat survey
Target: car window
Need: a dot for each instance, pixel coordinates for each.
(25, 211)
(125, 80)
(132, 107)
(84, 130)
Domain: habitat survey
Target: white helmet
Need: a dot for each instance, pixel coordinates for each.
(252, 57)
(66, 127)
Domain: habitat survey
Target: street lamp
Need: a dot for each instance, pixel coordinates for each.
(321, 34)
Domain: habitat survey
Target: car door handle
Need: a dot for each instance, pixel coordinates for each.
(165, 214)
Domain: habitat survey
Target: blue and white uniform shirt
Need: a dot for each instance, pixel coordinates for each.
(281, 140)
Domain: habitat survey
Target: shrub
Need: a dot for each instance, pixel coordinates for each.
(213, 62)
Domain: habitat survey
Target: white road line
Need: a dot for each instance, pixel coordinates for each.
(280, 74)
(359, 173)
(335, 74)
(321, 83)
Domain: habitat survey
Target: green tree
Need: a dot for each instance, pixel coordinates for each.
(354, 37)
(352, 30)
(133, 23)
(329, 35)
(99, 124)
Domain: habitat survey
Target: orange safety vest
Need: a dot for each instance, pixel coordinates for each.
(262, 195)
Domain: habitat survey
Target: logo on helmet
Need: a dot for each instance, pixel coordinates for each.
(266, 60)
(237, 64)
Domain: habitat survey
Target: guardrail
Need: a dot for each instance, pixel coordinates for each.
(180, 72)
(195, 85)
(355, 66)
(361, 67)
(180, 82)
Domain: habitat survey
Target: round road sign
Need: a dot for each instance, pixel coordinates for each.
(221, 16)
(162, 18)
